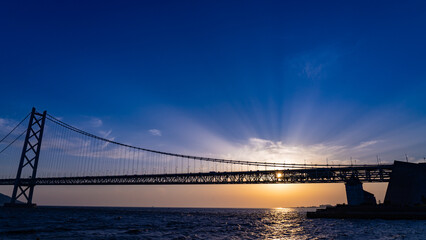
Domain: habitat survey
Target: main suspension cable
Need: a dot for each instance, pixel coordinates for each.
(7, 135)
(20, 135)
(217, 160)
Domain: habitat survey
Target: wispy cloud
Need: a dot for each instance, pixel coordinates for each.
(2, 122)
(155, 132)
(366, 144)
(96, 122)
(106, 134)
(256, 149)
(313, 65)
(312, 70)
(6, 124)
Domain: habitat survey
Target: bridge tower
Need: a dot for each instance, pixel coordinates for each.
(29, 160)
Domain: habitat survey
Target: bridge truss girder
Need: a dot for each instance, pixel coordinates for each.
(314, 175)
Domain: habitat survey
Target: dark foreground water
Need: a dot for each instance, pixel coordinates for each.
(182, 223)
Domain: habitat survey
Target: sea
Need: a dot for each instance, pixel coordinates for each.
(194, 223)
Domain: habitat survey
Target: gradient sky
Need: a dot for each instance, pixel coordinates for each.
(264, 80)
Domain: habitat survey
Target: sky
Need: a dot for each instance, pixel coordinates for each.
(257, 80)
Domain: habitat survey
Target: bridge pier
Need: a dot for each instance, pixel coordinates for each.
(356, 195)
(407, 184)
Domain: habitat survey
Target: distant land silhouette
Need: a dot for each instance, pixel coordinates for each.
(5, 199)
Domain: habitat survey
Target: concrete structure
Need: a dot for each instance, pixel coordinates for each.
(407, 185)
(356, 195)
(405, 197)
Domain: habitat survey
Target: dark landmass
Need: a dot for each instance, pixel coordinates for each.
(320, 206)
(5, 199)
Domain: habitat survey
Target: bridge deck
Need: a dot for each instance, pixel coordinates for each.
(380, 173)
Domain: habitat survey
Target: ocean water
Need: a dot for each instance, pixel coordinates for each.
(194, 223)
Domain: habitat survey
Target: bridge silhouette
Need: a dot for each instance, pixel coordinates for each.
(71, 156)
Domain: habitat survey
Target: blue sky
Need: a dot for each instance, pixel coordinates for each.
(235, 79)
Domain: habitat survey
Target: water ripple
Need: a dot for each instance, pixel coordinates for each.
(181, 223)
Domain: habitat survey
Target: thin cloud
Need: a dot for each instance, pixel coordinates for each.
(366, 144)
(6, 124)
(96, 122)
(2, 122)
(155, 132)
(106, 134)
(313, 65)
(312, 70)
(256, 149)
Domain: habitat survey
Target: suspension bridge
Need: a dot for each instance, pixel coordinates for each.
(49, 151)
